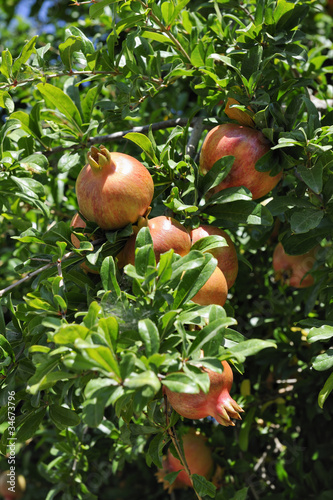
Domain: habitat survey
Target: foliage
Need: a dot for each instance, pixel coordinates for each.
(88, 354)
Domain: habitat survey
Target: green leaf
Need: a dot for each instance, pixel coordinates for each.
(100, 354)
(30, 425)
(27, 51)
(202, 486)
(194, 279)
(4, 344)
(251, 347)
(323, 361)
(49, 380)
(29, 186)
(326, 390)
(145, 260)
(139, 380)
(97, 9)
(69, 333)
(209, 332)
(150, 336)
(244, 433)
(324, 332)
(110, 328)
(180, 382)
(158, 37)
(63, 417)
(108, 276)
(241, 212)
(6, 101)
(68, 48)
(144, 143)
(155, 449)
(62, 102)
(28, 124)
(6, 64)
(209, 243)
(93, 312)
(216, 174)
(313, 177)
(303, 220)
(167, 9)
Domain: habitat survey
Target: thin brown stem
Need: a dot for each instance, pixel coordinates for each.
(101, 139)
(31, 274)
(167, 32)
(174, 438)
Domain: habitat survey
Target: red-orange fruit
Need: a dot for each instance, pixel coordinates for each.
(78, 222)
(12, 486)
(237, 114)
(198, 457)
(247, 145)
(166, 233)
(216, 403)
(291, 269)
(214, 291)
(226, 256)
(113, 189)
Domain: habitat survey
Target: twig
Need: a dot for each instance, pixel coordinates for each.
(31, 274)
(174, 439)
(35, 273)
(191, 147)
(115, 136)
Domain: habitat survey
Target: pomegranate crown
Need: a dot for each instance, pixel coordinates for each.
(99, 158)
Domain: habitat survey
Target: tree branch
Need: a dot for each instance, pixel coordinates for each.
(115, 136)
(58, 262)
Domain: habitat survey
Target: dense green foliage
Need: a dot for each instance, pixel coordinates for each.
(87, 354)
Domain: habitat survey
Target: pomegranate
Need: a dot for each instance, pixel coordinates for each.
(226, 256)
(166, 233)
(12, 487)
(247, 145)
(291, 269)
(77, 222)
(214, 291)
(113, 189)
(217, 403)
(198, 457)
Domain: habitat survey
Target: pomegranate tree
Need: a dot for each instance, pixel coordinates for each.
(217, 402)
(198, 458)
(113, 189)
(226, 256)
(247, 145)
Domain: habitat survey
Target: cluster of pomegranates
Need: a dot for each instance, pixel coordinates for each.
(115, 189)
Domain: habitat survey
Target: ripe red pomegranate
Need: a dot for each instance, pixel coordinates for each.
(291, 269)
(12, 487)
(113, 189)
(226, 256)
(166, 233)
(198, 457)
(78, 222)
(247, 145)
(214, 291)
(217, 403)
